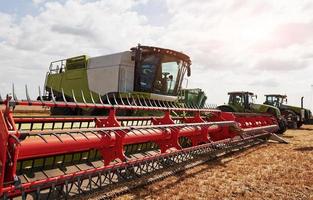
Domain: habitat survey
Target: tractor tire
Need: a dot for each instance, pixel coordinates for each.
(299, 124)
(225, 108)
(282, 123)
(291, 118)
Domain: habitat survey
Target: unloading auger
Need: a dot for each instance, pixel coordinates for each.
(58, 157)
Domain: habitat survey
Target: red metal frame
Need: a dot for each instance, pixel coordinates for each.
(109, 136)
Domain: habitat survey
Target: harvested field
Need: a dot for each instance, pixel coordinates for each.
(269, 171)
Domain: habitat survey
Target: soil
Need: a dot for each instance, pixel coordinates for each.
(268, 171)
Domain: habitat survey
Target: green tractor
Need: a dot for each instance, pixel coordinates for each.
(243, 101)
(143, 72)
(295, 116)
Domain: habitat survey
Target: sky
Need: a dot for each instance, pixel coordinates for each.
(261, 46)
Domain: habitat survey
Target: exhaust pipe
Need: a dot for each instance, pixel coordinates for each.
(302, 110)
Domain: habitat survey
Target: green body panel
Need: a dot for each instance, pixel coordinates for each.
(193, 97)
(242, 101)
(263, 108)
(259, 108)
(232, 108)
(71, 81)
(295, 109)
(237, 107)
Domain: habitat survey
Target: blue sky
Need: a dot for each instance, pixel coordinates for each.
(18, 7)
(154, 10)
(262, 46)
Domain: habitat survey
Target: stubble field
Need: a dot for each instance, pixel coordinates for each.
(268, 171)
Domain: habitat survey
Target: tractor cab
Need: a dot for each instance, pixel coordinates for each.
(159, 71)
(241, 100)
(276, 100)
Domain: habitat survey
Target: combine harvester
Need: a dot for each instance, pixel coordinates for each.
(59, 157)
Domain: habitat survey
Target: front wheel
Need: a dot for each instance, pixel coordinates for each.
(282, 123)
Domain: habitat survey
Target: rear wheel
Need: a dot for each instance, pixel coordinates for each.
(299, 124)
(291, 118)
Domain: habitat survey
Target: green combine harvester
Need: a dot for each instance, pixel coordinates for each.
(243, 102)
(295, 116)
(144, 72)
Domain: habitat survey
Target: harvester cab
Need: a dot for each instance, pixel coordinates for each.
(143, 72)
(244, 102)
(295, 116)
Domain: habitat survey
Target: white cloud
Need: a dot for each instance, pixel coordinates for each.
(36, 2)
(270, 64)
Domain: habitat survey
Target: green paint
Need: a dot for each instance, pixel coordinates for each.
(240, 102)
(193, 97)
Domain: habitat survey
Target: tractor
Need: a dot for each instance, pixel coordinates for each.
(295, 116)
(243, 102)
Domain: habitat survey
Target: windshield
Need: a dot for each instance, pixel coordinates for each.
(161, 74)
(274, 100)
(242, 99)
(251, 98)
(236, 99)
(147, 72)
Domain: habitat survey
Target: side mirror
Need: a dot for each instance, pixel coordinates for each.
(188, 71)
(286, 100)
(185, 83)
(256, 96)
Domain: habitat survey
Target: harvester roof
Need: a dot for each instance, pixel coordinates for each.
(180, 55)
